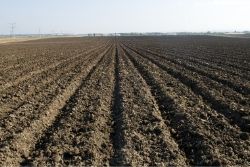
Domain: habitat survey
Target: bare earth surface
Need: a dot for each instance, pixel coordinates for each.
(5, 40)
(173, 100)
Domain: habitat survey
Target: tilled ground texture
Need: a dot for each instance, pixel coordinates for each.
(130, 101)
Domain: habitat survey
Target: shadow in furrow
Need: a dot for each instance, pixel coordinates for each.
(117, 136)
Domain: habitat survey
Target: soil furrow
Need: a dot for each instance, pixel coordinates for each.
(125, 101)
(222, 62)
(13, 98)
(16, 97)
(218, 51)
(234, 115)
(12, 152)
(31, 74)
(197, 61)
(85, 118)
(117, 135)
(31, 110)
(197, 137)
(245, 90)
(147, 138)
(229, 95)
(39, 57)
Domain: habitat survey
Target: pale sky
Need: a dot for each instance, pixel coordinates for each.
(109, 16)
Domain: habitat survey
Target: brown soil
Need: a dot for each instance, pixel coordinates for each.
(127, 101)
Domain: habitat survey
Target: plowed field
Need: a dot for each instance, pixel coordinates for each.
(174, 100)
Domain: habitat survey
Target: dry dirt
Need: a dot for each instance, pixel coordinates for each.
(154, 101)
(6, 40)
